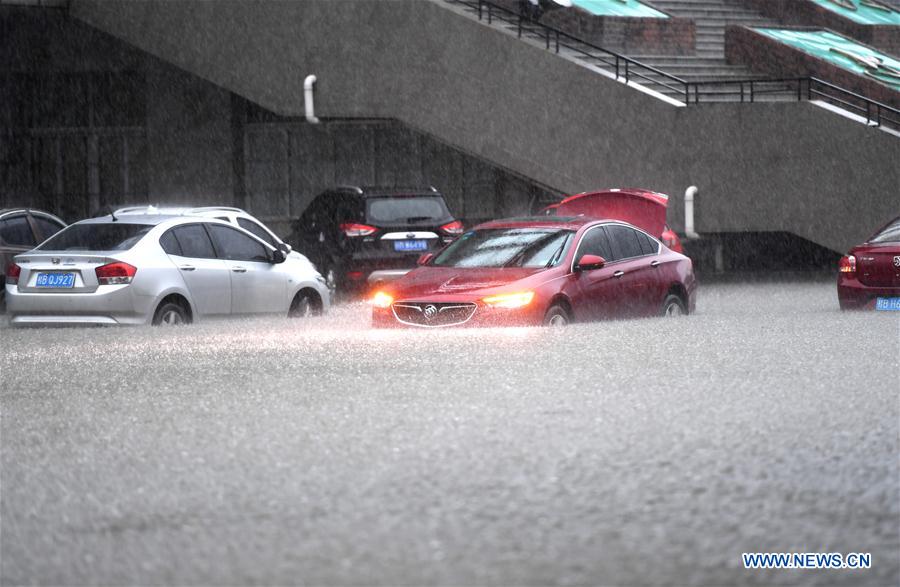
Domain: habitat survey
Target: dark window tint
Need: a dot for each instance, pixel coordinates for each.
(170, 244)
(47, 227)
(407, 210)
(595, 242)
(114, 236)
(16, 231)
(648, 245)
(237, 246)
(624, 241)
(194, 241)
(256, 229)
(890, 234)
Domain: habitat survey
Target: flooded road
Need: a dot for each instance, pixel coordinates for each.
(629, 452)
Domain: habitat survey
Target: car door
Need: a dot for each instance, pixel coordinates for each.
(257, 284)
(16, 236)
(633, 269)
(599, 291)
(207, 277)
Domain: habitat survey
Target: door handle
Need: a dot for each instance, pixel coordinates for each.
(654, 264)
(186, 267)
(239, 269)
(618, 274)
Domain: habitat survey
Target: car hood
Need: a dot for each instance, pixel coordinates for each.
(454, 280)
(644, 209)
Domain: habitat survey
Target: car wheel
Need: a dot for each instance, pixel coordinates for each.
(304, 305)
(557, 315)
(170, 314)
(673, 307)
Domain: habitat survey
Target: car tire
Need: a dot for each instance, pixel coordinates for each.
(673, 307)
(171, 314)
(304, 305)
(557, 315)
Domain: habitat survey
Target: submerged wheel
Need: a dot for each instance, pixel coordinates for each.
(170, 314)
(673, 307)
(557, 315)
(305, 304)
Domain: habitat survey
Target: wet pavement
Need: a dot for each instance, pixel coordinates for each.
(633, 452)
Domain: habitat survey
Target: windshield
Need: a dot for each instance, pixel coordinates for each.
(97, 237)
(507, 247)
(407, 210)
(890, 234)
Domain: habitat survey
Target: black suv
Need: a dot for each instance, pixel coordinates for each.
(359, 237)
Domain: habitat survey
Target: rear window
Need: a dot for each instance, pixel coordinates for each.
(407, 210)
(97, 237)
(889, 234)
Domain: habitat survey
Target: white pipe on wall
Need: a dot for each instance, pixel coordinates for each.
(309, 107)
(689, 195)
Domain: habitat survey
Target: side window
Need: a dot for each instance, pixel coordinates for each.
(256, 229)
(170, 244)
(595, 242)
(194, 241)
(624, 241)
(47, 227)
(237, 246)
(17, 231)
(648, 245)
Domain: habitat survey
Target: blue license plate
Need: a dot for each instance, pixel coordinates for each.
(55, 280)
(888, 304)
(417, 245)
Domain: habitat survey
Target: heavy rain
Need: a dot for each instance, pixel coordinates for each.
(449, 292)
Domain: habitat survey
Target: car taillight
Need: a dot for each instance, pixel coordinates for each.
(12, 274)
(454, 228)
(847, 264)
(115, 273)
(353, 229)
(670, 239)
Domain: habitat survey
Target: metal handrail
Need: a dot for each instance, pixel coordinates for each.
(624, 67)
(627, 68)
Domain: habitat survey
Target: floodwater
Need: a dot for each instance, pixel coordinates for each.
(632, 452)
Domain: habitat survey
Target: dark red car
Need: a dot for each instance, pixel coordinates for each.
(644, 208)
(869, 275)
(541, 270)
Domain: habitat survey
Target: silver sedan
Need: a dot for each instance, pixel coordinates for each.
(158, 270)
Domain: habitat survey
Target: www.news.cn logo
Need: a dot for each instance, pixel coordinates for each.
(806, 560)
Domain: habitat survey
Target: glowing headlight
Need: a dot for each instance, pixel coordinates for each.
(510, 300)
(382, 300)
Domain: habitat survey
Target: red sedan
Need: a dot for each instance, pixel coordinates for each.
(549, 270)
(869, 275)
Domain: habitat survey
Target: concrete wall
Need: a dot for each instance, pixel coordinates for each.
(794, 167)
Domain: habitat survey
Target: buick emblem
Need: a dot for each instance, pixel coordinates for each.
(897, 261)
(55, 260)
(430, 311)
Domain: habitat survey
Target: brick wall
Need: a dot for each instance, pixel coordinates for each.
(808, 13)
(669, 36)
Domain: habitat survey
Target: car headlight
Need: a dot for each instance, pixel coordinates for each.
(510, 300)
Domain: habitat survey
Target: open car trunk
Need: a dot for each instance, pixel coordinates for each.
(644, 209)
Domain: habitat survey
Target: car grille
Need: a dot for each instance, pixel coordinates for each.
(432, 313)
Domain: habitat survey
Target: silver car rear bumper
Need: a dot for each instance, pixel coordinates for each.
(110, 304)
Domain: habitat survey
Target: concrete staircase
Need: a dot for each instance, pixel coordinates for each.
(711, 17)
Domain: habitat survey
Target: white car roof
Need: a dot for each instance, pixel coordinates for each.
(179, 210)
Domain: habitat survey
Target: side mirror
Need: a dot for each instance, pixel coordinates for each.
(589, 262)
(278, 256)
(425, 259)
